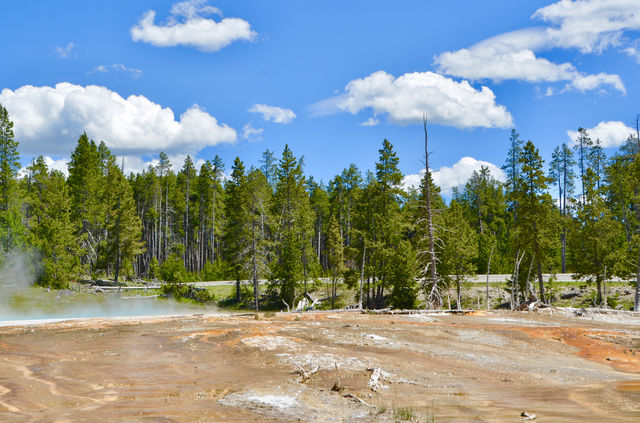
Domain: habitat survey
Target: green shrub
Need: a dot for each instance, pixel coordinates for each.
(172, 270)
(180, 291)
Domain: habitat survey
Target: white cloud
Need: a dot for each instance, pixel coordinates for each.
(48, 120)
(407, 97)
(455, 176)
(590, 25)
(52, 164)
(372, 121)
(192, 8)
(633, 51)
(251, 133)
(117, 67)
(64, 52)
(273, 113)
(611, 133)
(188, 26)
(138, 164)
(57, 164)
(511, 56)
(591, 82)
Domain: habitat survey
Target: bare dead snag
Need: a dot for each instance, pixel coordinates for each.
(364, 254)
(337, 386)
(285, 303)
(514, 280)
(304, 374)
(434, 298)
(488, 271)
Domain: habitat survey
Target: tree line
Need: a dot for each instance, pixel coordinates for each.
(272, 221)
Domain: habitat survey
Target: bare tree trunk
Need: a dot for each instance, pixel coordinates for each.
(604, 288)
(434, 297)
(186, 226)
(256, 292)
(364, 253)
(458, 306)
(514, 281)
(541, 283)
(563, 240)
(166, 222)
(333, 289)
(530, 289)
(488, 272)
(636, 303)
(213, 224)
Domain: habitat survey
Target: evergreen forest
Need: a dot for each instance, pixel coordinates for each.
(578, 213)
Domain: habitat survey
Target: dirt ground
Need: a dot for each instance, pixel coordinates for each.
(437, 367)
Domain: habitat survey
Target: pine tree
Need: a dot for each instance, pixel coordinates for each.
(293, 225)
(9, 161)
(402, 277)
(269, 167)
(562, 174)
(217, 198)
(50, 229)
(485, 209)
(385, 230)
(11, 227)
(600, 241)
(459, 248)
(535, 227)
(335, 253)
(319, 202)
(88, 208)
(186, 178)
(259, 197)
(512, 169)
(236, 211)
(164, 171)
(582, 147)
(123, 223)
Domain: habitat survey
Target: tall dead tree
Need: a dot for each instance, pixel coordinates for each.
(515, 301)
(434, 298)
(636, 299)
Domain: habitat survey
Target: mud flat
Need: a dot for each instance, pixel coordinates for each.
(475, 367)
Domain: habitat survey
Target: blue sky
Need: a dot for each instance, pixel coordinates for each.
(237, 77)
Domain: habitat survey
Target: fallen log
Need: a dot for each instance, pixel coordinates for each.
(347, 395)
(304, 374)
(374, 381)
(527, 416)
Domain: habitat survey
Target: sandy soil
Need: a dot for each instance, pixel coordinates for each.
(474, 367)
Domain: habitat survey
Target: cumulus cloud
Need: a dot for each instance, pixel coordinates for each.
(117, 67)
(65, 52)
(406, 98)
(251, 133)
(510, 56)
(590, 25)
(138, 164)
(187, 25)
(455, 176)
(273, 113)
(611, 133)
(50, 119)
(52, 164)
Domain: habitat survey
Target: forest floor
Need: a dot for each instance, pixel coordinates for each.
(481, 366)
